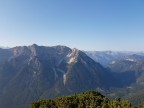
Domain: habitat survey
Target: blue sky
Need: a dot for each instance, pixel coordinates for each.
(84, 24)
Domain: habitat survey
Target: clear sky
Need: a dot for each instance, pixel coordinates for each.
(84, 24)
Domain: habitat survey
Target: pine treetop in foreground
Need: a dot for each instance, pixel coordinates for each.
(90, 99)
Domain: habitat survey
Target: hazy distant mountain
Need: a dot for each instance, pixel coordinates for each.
(130, 71)
(106, 57)
(28, 73)
(4, 47)
(133, 64)
(128, 67)
(127, 63)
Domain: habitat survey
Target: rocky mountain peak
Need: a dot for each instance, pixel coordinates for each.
(73, 55)
(34, 45)
(33, 49)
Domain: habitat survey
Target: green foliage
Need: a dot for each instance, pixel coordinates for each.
(44, 104)
(90, 99)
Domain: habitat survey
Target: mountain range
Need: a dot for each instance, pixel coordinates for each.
(105, 57)
(30, 73)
